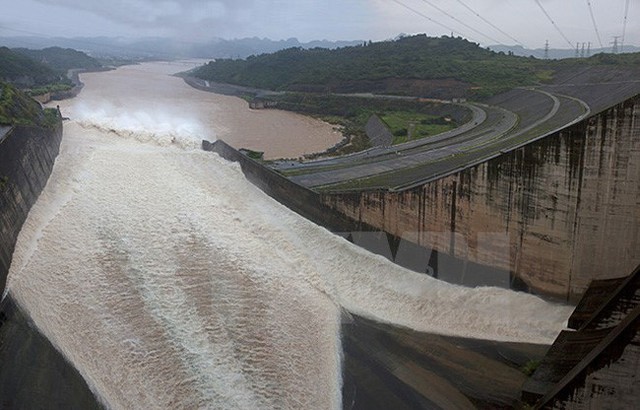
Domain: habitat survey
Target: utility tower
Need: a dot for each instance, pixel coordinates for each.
(582, 51)
(546, 50)
(589, 49)
(614, 50)
(577, 50)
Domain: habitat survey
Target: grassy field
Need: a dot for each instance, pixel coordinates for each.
(406, 125)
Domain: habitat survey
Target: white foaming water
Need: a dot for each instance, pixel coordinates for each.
(158, 126)
(169, 281)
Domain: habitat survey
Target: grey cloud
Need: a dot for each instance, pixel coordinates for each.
(164, 14)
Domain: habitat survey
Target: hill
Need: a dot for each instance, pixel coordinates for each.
(23, 71)
(16, 108)
(43, 72)
(441, 67)
(421, 66)
(60, 59)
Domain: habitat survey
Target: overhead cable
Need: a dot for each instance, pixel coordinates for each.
(593, 20)
(489, 23)
(554, 23)
(624, 24)
(430, 19)
(461, 22)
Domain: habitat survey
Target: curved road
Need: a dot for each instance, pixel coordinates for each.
(478, 117)
(499, 129)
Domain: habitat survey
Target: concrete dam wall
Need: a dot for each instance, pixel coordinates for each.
(553, 214)
(33, 374)
(308, 203)
(296, 197)
(27, 155)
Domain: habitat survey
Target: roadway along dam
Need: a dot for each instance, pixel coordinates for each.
(169, 281)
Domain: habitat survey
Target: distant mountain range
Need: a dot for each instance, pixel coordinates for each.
(555, 53)
(164, 48)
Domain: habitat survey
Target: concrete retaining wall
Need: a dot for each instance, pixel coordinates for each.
(554, 214)
(33, 374)
(27, 155)
(296, 197)
(378, 133)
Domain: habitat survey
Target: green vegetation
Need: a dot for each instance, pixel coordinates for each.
(443, 67)
(34, 77)
(257, 155)
(545, 76)
(60, 59)
(352, 113)
(16, 108)
(403, 123)
(477, 70)
(626, 59)
(50, 88)
(41, 71)
(530, 367)
(23, 71)
(4, 180)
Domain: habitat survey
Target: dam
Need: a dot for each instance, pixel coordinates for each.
(168, 280)
(538, 192)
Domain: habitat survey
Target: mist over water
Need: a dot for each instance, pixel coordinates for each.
(170, 281)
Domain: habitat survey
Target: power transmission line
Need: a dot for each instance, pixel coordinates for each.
(488, 22)
(429, 18)
(460, 21)
(624, 24)
(546, 49)
(554, 23)
(615, 44)
(593, 20)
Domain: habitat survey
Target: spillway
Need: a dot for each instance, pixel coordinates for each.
(169, 281)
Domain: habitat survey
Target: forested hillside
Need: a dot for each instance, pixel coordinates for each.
(410, 65)
(443, 67)
(16, 108)
(60, 59)
(23, 71)
(39, 72)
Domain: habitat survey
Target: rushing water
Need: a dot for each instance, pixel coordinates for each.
(169, 281)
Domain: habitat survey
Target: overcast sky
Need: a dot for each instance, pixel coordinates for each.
(190, 20)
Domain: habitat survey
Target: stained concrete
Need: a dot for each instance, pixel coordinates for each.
(555, 213)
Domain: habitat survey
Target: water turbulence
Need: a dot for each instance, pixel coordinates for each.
(169, 281)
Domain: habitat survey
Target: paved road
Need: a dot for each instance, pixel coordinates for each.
(500, 130)
(390, 160)
(478, 117)
(492, 130)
